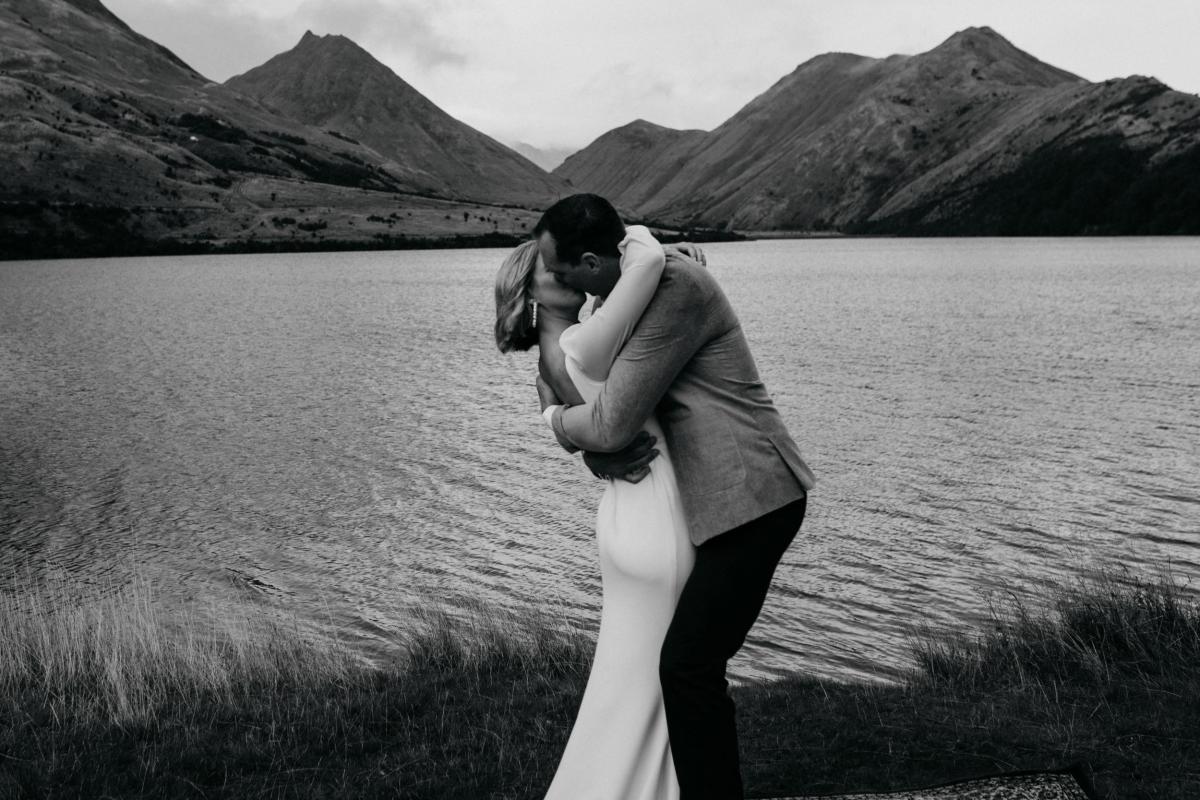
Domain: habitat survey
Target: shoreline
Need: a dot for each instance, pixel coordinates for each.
(114, 242)
(10, 251)
(117, 698)
(284, 224)
(140, 248)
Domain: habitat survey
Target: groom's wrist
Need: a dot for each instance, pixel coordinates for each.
(556, 423)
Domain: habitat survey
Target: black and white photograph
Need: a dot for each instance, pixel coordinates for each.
(517, 400)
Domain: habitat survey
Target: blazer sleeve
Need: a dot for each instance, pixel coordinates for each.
(595, 342)
(666, 338)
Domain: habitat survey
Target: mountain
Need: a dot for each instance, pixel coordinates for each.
(112, 144)
(332, 84)
(630, 164)
(959, 139)
(1118, 157)
(545, 157)
(96, 114)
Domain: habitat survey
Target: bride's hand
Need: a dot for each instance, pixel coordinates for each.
(689, 249)
(630, 464)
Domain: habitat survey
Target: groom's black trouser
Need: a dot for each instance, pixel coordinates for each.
(719, 603)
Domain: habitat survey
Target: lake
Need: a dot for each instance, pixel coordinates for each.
(335, 437)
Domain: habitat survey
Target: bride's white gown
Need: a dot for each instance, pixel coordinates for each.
(619, 748)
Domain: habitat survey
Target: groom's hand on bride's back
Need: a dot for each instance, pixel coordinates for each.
(632, 463)
(687, 250)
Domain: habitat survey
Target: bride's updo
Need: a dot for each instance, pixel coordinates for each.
(514, 293)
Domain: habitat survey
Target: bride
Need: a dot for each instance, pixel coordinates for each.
(618, 749)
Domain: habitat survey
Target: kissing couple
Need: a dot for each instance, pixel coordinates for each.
(706, 490)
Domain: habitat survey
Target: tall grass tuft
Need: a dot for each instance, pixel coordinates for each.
(119, 656)
(1103, 676)
(1104, 630)
(481, 640)
(120, 695)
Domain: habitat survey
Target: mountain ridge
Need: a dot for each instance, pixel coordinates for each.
(113, 144)
(330, 81)
(855, 144)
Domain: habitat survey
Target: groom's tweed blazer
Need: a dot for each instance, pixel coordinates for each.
(688, 362)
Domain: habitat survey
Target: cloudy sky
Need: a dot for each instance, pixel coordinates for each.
(558, 73)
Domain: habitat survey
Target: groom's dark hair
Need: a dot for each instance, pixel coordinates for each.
(582, 223)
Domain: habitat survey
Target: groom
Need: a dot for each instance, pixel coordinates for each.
(741, 478)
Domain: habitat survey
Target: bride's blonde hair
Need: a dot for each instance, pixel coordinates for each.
(514, 295)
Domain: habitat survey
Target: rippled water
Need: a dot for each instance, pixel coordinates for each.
(334, 435)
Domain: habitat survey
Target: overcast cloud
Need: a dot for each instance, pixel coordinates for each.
(562, 73)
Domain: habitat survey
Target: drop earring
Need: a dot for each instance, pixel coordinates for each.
(534, 322)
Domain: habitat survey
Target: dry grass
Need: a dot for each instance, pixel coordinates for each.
(1108, 629)
(119, 698)
(1104, 676)
(119, 657)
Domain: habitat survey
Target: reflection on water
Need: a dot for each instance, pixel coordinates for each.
(335, 436)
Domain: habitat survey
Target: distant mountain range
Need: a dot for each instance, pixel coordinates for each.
(112, 144)
(973, 137)
(545, 157)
